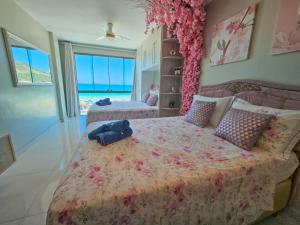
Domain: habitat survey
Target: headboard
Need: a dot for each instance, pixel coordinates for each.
(257, 92)
(265, 94)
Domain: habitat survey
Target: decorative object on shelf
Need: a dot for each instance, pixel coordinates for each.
(173, 52)
(231, 38)
(177, 71)
(172, 104)
(173, 90)
(185, 19)
(287, 35)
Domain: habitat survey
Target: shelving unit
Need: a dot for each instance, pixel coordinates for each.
(168, 80)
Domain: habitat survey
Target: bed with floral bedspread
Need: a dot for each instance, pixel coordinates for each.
(168, 172)
(121, 110)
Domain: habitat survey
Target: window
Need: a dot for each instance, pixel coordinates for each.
(32, 66)
(104, 74)
(103, 77)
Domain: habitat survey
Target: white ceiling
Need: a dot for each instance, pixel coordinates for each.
(84, 20)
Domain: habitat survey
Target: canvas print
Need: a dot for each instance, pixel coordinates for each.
(287, 34)
(231, 38)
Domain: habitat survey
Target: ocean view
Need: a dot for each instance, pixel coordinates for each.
(87, 99)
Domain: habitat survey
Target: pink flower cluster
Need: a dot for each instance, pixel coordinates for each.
(186, 20)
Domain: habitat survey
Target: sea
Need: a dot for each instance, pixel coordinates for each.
(91, 97)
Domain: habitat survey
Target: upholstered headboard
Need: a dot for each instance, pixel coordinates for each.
(261, 93)
(257, 92)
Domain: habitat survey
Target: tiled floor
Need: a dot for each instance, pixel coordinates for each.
(26, 188)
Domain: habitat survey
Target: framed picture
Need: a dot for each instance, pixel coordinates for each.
(231, 38)
(29, 65)
(287, 34)
(7, 153)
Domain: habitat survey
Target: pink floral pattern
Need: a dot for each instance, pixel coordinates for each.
(168, 172)
(121, 110)
(231, 38)
(186, 20)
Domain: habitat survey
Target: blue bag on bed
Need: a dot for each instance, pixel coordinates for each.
(113, 126)
(110, 137)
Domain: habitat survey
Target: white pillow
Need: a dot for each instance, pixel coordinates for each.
(222, 104)
(284, 130)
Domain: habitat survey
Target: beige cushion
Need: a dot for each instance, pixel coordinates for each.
(222, 105)
(284, 130)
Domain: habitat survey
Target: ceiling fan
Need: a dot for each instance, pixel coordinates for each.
(110, 35)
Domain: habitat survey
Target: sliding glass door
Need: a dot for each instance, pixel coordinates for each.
(104, 76)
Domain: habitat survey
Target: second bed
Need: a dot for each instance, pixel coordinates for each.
(121, 110)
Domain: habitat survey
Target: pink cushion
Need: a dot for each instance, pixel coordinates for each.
(242, 128)
(152, 100)
(200, 113)
(145, 97)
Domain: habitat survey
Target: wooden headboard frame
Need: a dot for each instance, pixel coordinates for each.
(265, 94)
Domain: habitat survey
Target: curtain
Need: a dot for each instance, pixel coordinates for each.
(133, 92)
(70, 81)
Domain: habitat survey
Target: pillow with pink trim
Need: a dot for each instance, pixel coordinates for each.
(152, 100)
(145, 96)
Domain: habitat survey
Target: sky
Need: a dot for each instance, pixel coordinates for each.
(39, 60)
(103, 66)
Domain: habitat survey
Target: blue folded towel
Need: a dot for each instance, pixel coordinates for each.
(110, 137)
(113, 126)
(103, 102)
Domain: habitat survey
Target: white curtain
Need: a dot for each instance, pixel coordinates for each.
(133, 93)
(70, 80)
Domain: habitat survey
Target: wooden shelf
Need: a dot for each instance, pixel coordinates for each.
(172, 76)
(173, 40)
(173, 57)
(170, 93)
(170, 109)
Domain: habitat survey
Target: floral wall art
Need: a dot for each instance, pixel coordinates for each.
(231, 38)
(287, 35)
(184, 19)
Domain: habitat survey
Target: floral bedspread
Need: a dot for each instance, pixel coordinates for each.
(168, 172)
(121, 110)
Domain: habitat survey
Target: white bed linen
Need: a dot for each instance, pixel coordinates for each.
(121, 110)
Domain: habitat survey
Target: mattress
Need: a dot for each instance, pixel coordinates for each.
(286, 167)
(168, 172)
(121, 110)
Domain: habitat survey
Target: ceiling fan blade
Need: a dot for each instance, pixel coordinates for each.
(100, 38)
(123, 37)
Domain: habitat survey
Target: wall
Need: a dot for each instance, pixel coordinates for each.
(57, 72)
(261, 65)
(25, 112)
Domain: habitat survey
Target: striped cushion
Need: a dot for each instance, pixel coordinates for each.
(242, 128)
(200, 113)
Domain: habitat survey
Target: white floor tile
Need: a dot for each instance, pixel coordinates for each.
(35, 220)
(15, 222)
(43, 198)
(17, 194)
